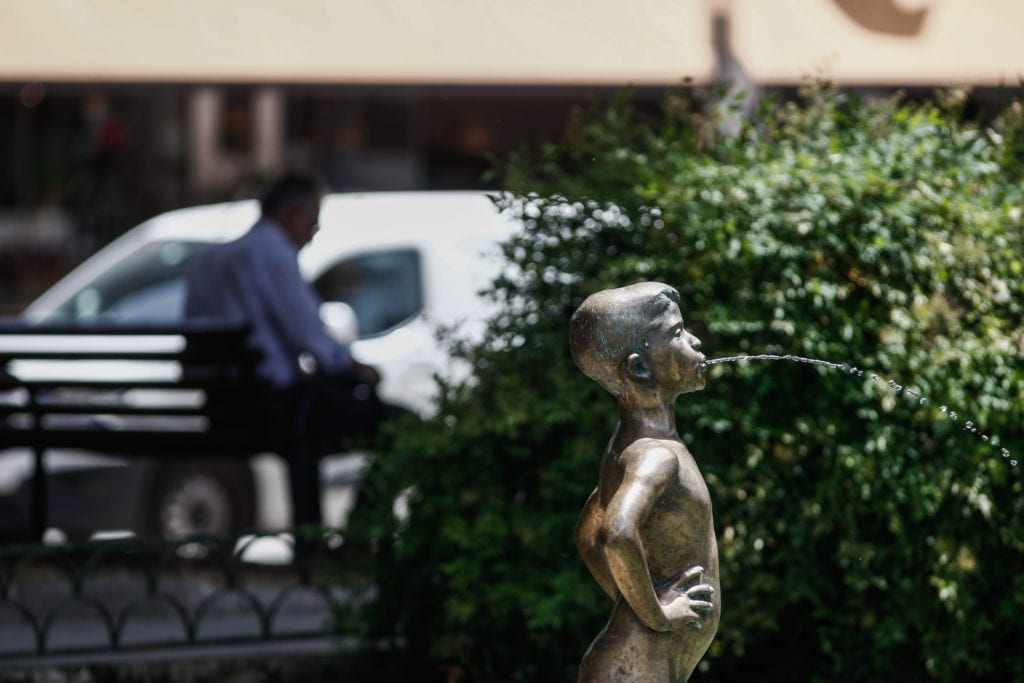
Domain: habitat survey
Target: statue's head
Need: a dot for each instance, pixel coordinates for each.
(633, 337)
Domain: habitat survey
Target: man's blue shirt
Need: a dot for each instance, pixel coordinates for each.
(255, 280)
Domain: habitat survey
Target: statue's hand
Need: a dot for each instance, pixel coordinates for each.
(686, 600)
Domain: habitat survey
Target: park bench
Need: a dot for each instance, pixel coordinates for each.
(159, 391)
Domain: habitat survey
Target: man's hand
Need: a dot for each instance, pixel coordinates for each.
(357, 372)
(365, 374)
(684, 604)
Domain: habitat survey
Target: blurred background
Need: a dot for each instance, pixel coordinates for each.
(111, 112)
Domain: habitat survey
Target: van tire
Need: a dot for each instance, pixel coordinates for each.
(201, 497)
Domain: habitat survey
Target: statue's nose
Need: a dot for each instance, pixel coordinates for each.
(694, 343)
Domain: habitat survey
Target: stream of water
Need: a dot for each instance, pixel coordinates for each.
(913, 394)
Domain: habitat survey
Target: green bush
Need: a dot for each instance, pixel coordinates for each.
(863, 536)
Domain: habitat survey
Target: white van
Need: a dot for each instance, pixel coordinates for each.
(405, 264)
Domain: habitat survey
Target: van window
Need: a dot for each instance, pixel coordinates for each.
(146, 287)
(382, 287)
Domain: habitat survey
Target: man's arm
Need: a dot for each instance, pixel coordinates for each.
(589, 544)
(294, 308)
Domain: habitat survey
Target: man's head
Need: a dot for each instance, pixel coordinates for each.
(293, 202)
(634, 337)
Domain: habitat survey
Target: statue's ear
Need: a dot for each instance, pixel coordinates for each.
(637, 367)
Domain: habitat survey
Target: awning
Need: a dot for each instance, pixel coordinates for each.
(880, 42)
(508, 42)
(611, 42)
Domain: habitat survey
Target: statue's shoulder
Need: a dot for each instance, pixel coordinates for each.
(650, 453)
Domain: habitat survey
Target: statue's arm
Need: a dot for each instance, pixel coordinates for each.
(591, 547)
(648, 470)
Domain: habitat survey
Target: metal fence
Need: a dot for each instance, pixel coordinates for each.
(131, 596)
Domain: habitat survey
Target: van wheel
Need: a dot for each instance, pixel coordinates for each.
(202, 498)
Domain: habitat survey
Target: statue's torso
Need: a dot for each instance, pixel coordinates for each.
(678, 534)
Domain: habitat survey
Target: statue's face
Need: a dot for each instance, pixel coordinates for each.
(674, 354)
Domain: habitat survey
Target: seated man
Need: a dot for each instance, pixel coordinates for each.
(646, 532)
(319, 395)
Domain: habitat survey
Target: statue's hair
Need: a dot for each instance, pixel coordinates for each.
(612, 324)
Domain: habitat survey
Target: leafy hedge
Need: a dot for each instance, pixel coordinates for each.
(863, 536)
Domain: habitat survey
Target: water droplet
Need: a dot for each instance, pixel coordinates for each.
(911, 392)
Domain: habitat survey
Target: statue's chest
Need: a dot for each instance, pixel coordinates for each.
(688, 488)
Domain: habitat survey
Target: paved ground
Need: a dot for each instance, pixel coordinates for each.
(244, 664)
(221, 665)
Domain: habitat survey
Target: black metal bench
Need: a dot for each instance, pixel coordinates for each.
(187, 389)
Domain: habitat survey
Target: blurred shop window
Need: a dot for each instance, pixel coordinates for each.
(461, 160)
(382, 287)
(389, 123)
(148, 286)
(236, 124)
(234, 137)
(308, 123)
(357, 144)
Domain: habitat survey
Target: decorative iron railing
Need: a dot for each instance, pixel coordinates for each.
(129, 594)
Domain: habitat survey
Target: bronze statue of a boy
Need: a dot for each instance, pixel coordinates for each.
(646, 532)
